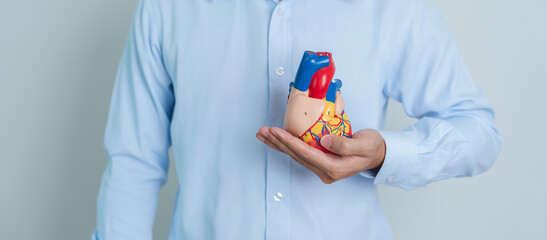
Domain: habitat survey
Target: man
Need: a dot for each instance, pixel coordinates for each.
(202, 76)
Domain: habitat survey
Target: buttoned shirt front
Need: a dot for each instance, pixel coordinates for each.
(203, 77)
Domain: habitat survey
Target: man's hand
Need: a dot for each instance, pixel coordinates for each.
(365, 150)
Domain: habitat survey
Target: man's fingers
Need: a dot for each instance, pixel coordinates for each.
(265, 135)
(310, 154)
(284, 148)
(340, 145)
(353, 153)
(268, 142)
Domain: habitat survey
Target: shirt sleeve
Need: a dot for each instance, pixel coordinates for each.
(137, 135)
(455, 135)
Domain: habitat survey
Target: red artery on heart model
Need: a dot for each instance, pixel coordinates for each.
(315, 107)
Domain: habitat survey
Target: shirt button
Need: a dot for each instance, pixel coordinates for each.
(390, 179)
(280, 71)
(278, 196)
(280, 12)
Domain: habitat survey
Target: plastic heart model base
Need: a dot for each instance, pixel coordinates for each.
(315, 107)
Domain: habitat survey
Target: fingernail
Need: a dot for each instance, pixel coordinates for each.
(326, 141)
(260, 137)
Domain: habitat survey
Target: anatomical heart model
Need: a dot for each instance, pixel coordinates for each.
(315, 107)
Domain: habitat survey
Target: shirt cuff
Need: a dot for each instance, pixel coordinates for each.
(400, 164)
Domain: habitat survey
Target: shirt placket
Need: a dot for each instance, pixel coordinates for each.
(278, 164)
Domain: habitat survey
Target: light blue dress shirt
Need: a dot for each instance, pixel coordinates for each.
(203, 76)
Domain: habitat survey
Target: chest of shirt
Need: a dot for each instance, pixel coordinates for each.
(237, 58)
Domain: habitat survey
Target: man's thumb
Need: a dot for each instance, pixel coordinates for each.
(336, 144)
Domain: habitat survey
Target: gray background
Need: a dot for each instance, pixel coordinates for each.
(58, 60)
